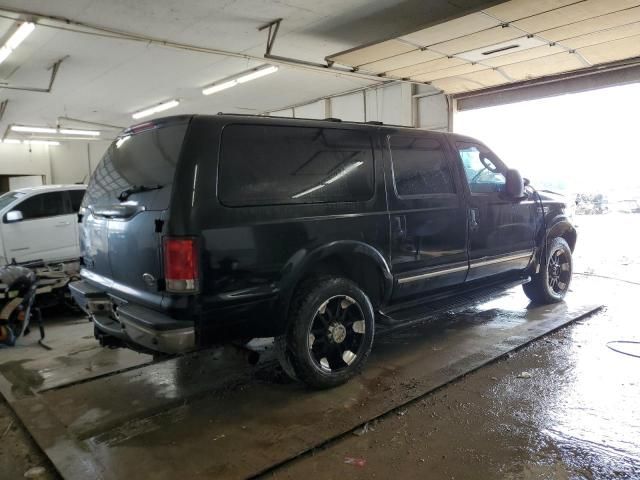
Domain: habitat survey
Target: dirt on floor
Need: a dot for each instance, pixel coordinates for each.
(18, 452)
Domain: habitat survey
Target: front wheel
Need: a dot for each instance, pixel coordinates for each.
(551, 283)
(330, 332)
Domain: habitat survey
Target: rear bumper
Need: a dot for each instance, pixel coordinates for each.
(133, 323)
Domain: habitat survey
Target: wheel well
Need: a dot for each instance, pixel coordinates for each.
(570, 237)
(358, 268)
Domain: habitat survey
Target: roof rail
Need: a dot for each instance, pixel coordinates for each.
(329, 119)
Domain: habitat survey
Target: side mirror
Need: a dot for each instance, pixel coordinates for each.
(514, 184)
(14, 216)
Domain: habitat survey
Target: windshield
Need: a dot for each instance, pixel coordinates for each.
(9, 198)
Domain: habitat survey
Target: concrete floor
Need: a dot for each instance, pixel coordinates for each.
(575, 416)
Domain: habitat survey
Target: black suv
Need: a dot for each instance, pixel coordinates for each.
(198, 230)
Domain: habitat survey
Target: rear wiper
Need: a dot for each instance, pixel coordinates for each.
(124, 195)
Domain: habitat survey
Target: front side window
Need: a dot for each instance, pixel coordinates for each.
(44, 205)
(482, 168)
(275, 165)
(419, 166)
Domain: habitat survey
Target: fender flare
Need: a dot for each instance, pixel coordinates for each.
(301, 261)
(559, 226)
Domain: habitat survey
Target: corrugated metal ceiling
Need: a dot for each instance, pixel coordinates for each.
(512, 41)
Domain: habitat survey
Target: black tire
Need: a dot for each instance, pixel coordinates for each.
(329, 333)
(551, 283)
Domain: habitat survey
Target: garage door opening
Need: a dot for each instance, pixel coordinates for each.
(585, 146)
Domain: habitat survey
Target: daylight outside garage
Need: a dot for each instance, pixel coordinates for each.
(319, 240)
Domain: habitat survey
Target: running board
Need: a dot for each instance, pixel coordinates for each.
(388, 320)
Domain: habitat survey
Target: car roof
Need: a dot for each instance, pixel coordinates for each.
(51, 188)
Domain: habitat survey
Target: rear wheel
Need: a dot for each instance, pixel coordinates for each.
(551, 284)
(330, 332)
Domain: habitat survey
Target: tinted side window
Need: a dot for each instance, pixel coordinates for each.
(44, 205)
(76, 199)
(482, 168)
(271, 165)
(419, 166)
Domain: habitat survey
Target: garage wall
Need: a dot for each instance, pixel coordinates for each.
(69, 162)
(405, 104)
(25, 160)
(73, 162)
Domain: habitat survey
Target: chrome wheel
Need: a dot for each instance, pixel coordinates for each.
(336, 335)
(559, 271)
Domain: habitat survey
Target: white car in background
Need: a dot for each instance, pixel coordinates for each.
(40, 223)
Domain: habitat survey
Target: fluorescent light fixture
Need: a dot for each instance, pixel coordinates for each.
(11, 140)
(259, 72)
(42, 142)
(243, 77)
(156, 109)
(16, 39)
(4, 53)
(219, 87)
(23, 128)
(75, 131)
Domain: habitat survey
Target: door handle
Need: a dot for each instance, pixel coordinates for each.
(474, 213)
(62, 224)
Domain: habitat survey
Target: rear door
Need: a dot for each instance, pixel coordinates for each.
(46, 232)
(124, 208)
(427, 214)
(501, 230)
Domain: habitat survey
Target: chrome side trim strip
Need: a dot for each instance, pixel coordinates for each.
(422, 276)
(480, 263)
(510, 258)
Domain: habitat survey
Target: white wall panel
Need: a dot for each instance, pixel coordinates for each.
(391, 105)
(311, 110)
(348, 107)
(25, 160)
(433, 112)
(287, 112)
(69, 162)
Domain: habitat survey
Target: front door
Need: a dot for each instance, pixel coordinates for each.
(427, 215)
(47, 230)
(501, 230)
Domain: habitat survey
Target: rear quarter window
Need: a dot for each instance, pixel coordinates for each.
(275, 165)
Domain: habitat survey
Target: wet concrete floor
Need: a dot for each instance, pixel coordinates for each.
(210, 416)
(75, 355)
(564, 407)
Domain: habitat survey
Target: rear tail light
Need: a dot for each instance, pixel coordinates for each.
(181, 270)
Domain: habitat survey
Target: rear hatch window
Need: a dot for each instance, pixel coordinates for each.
(139, 166)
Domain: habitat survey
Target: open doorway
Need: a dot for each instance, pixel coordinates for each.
(585, 146)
